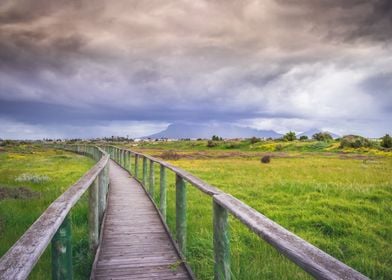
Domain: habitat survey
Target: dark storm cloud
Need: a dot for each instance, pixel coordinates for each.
(345, 20)
(232, 61)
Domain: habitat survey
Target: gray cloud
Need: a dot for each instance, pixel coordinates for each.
(78, 61)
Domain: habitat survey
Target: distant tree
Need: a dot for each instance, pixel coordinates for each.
(322, 136)
(386, 141)
(290, 136)
(216, 138)
(303, 137)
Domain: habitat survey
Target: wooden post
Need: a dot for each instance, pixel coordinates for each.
(181, 213)
(221, 243)
(62, 252)
(162, 203)
(151, 177)
(93, 216)
(136, 165)
(144, 172)
(106, 186)
(130, 162)
(101, 194)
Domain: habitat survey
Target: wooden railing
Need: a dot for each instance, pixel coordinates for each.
(311, 259)
(54, 226)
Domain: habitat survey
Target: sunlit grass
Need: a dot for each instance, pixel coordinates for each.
(342, 205)
(27, 166)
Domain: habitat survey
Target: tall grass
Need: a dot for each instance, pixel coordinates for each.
(48, 172)
(341, 205)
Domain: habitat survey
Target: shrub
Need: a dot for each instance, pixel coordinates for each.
(232, 146)
(279, 147)
(303, 138)
(322, 136)
(254, 140)
(386, 141)
(170, 155)
(354, 141)
(211, 144)
(266, 159)
(290, 136)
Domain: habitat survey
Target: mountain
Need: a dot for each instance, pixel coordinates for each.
(313, 131)
(184, 130)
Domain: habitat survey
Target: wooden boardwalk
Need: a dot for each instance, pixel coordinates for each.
(135, 244)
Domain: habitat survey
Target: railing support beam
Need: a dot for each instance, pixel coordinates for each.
(221, 243)
(145, 172)
(181, 213)
(162, 202)
(101, 194)
(93, 216)
(151, 181)
(62, 252)
(129, 162)
(136, 165)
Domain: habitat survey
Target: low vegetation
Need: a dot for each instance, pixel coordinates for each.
(320, 190)
(324, 197)
(30, 179)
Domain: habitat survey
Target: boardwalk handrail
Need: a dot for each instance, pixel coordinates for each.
(53, 225)
(310, 258)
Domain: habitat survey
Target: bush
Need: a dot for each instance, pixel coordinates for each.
(211, 144)
(386, 141)
(290, 136)
(170, 155)
(232, 146)
(279, 147)
(303, 138)
(254, 140)
(354, 141)
(266, 159)
(322, 136)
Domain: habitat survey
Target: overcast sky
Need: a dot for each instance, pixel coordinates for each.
(126, 67)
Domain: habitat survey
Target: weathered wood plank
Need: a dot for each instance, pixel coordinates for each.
(135, 244)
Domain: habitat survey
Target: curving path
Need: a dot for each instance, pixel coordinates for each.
(135, 244)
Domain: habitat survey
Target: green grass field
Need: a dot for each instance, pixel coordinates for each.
(30, 179)
(340, 202)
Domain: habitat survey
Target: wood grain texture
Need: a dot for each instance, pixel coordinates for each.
(135, 244)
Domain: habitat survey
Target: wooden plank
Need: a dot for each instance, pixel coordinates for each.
(135, 244)
(310, 258)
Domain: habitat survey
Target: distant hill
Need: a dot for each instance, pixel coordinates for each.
(313, 131)
(183, 130)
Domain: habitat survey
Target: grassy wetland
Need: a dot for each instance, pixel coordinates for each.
(339, 200)
(30, 179)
